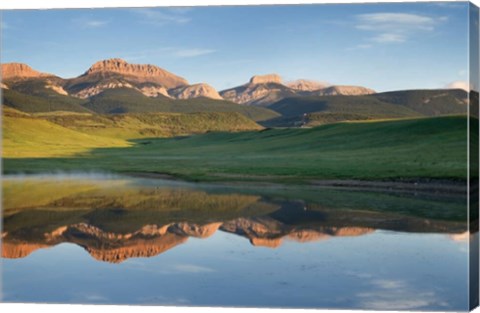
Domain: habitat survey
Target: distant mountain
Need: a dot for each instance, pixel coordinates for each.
(307, 85)
(115, 86)
(267, 89)
(117, 73)
(194, 91)
(345, 91)
(260, 90)
(265, 79)
(11, 71)
(150, 80)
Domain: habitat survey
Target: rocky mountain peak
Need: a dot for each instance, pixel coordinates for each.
(142, 72)
(306, 85)
(20, 70)
(347, 91)
(195, 91)
(263, 79)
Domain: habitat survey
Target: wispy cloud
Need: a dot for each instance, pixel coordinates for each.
(394, 22)
(363, 46)
(397, 295)
(451, 5)
(161, 17)
(462, 72)
(170, 52)
(195, 52)
(95, 23)
(84, 22)
(4, 25)
(395, 27)
(389, 37)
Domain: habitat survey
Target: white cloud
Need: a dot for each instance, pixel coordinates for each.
(95, 23)
(171, 52)
(451, 5)
(360, 47)
(160, 17)
(389, 37)
(458, 84)
(397, 295)
(188, 53)
(89, 23)
(364, 46)
(396, 27)
(393, 21)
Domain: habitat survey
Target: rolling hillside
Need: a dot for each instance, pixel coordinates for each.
(428, 102)
(125, 100)
(143, 125)
(365, 105)
(32, 96)
(399, 104)
(25, 136)
(58, 134)
(431, 148)
(41, 100)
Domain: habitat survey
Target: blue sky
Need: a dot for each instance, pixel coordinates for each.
(382, 46)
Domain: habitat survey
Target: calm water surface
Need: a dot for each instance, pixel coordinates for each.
(106, 239)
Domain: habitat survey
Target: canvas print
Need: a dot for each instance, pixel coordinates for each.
(285, 156)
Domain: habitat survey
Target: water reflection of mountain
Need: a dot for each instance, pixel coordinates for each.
(117, 221)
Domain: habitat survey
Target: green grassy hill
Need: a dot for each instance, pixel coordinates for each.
(365, 105)
(412, 149)
(45, 101)
(317, 110)
(25, 136)
(141, 125)
(57, 134)
(428, 102)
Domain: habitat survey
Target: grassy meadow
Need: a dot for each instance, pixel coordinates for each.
(419, 148)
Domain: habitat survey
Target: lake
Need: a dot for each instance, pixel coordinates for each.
(98, 238)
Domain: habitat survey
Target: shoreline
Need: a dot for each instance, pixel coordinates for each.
(428, 186)
(421, 185)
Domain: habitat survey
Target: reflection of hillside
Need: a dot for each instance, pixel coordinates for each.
(98, 194)
(268, 230)
(117, 219)
(34, 193)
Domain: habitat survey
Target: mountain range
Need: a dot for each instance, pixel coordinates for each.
(153, 81)
(114, 86)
